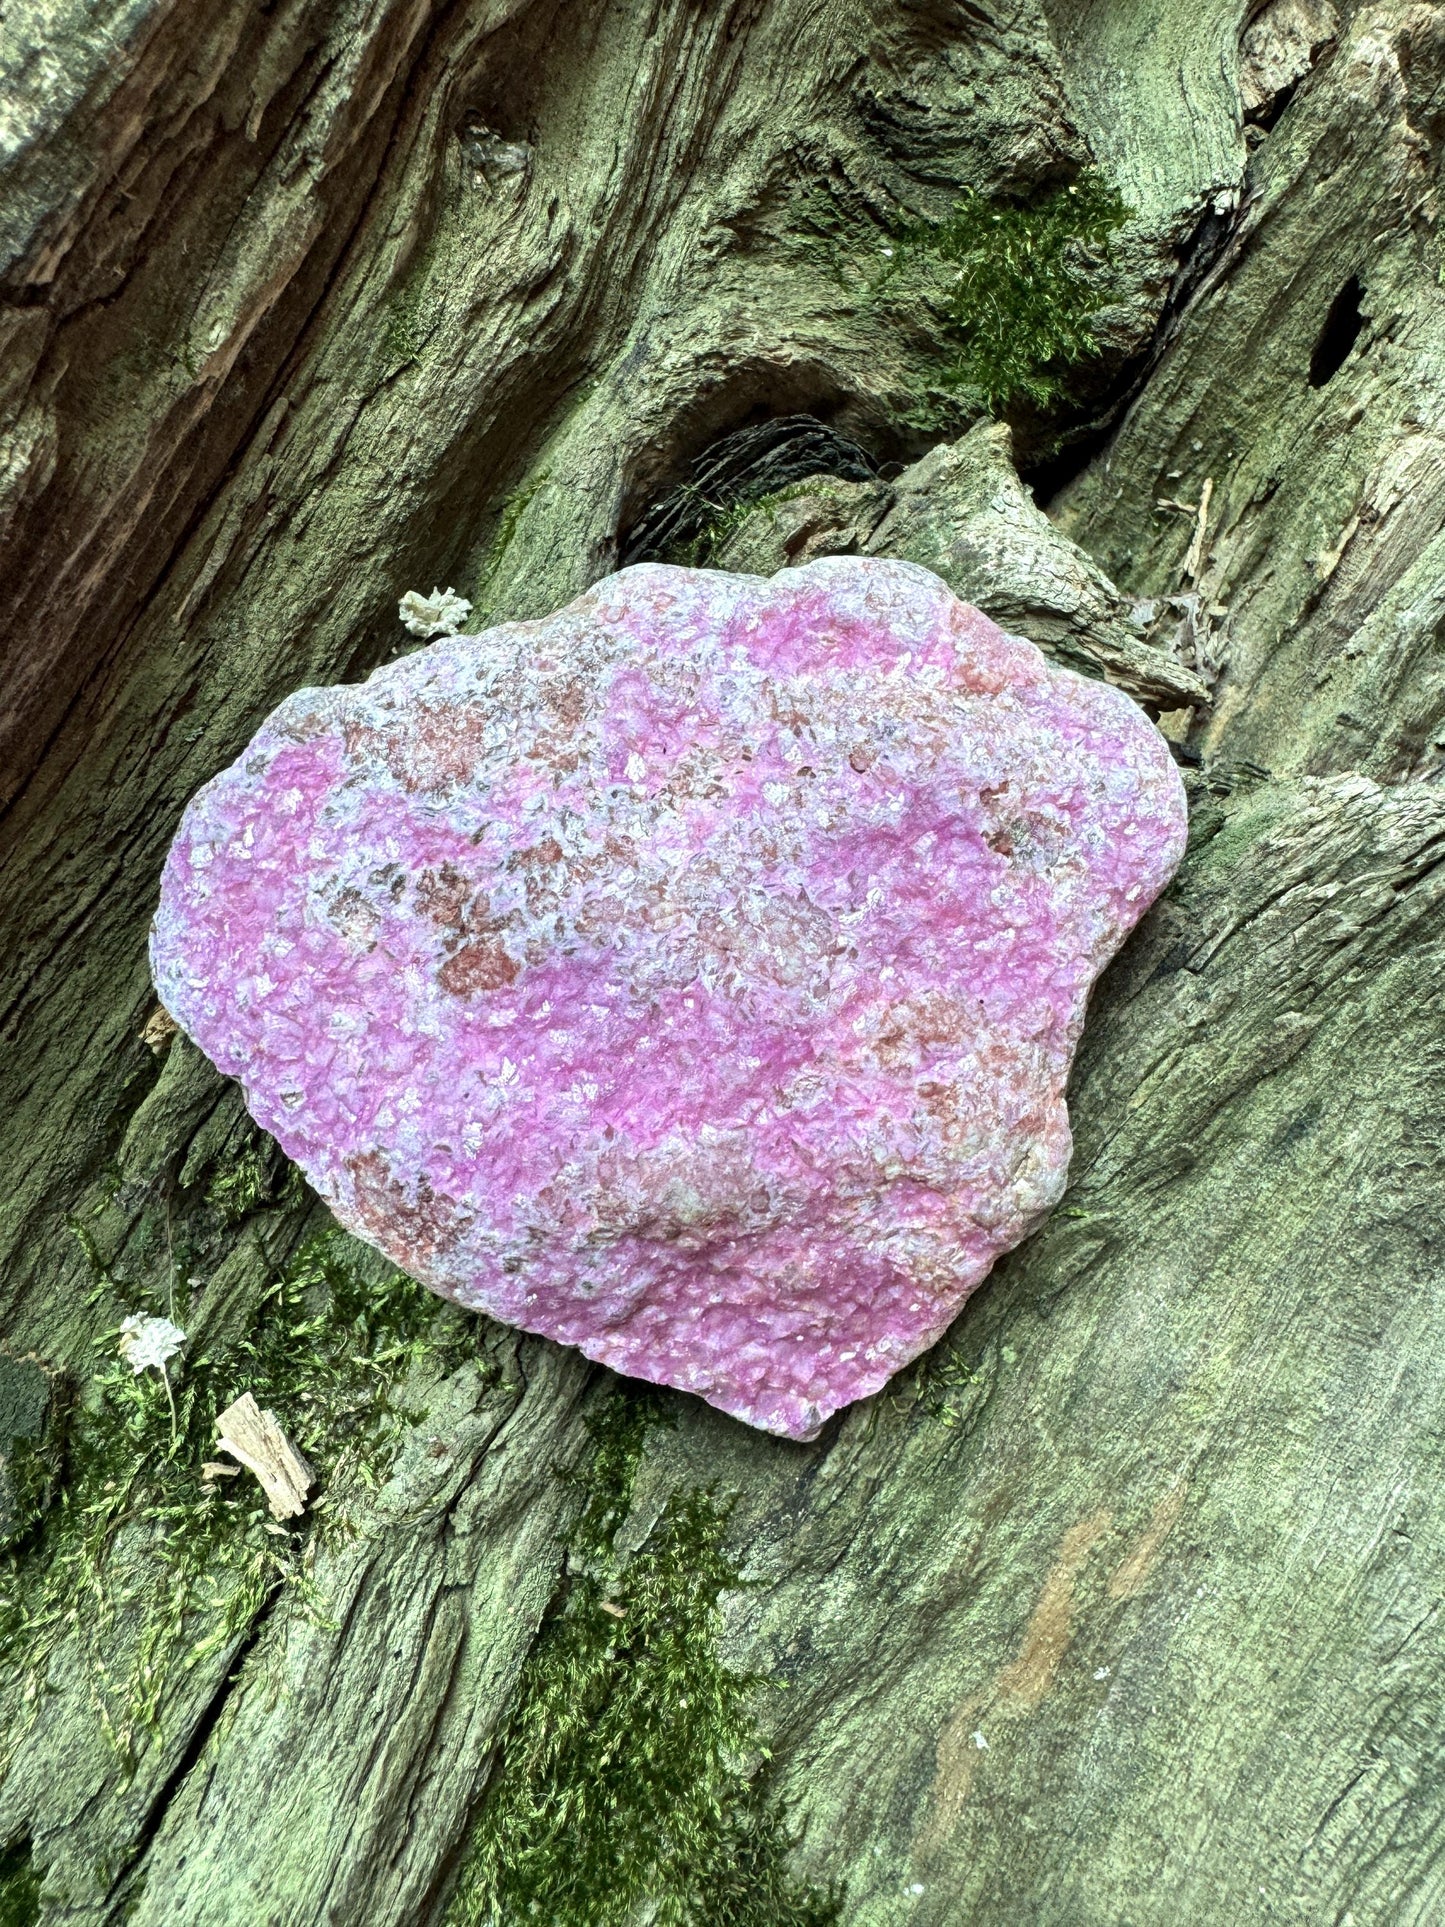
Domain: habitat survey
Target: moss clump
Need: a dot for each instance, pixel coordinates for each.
(402, 333)
(947, 1388)
(237, 1188)
(1017, 286)
(623, 1793)
(832, 226)
(27, 1480)
(151, 1564)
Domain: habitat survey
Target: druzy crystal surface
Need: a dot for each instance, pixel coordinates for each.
(692, 976)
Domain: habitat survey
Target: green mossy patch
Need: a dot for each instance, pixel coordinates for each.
(1016, 287)
(152, 1565)
(1007, 288)
(513, 509)
(402, 333)
(629, 1787)
(237, 1188)
(947, 1387)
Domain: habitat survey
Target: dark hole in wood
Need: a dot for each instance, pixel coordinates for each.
(19, 1885)
(744, 466)
(1339, 334)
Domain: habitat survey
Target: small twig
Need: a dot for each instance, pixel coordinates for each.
(170, 1262)
(171, 1401)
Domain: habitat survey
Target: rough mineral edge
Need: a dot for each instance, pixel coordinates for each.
(692, 976)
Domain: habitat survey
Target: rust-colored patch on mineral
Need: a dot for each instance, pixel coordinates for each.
(438, 747)
(430, 1225)
(442, 895)
(484, 965)
(544, 854)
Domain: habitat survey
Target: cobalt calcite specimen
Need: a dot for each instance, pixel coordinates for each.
(692, 976)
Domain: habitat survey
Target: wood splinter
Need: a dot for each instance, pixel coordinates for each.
(255, 1439)
(1194, 561)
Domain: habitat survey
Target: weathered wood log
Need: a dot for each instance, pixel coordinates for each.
(1123, 1605)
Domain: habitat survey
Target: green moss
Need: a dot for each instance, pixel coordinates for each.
(513, 509)
(1015, 286)
(102, 1284)
(240, 1187)
(258, 1174)
(402, 332)
(624, 1792)
(948, 1388)
(826, 222)
(19, 1887)
(150, 1564)
(27, 1478)
(619, 1434)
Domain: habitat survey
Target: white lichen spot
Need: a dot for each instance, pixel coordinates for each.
(146, 1343)
(442, 613)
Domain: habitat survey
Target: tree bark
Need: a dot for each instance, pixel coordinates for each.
(1123, 1606)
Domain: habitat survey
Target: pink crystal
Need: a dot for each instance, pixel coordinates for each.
(692, 977)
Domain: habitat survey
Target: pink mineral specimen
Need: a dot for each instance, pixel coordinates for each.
(693, 976)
